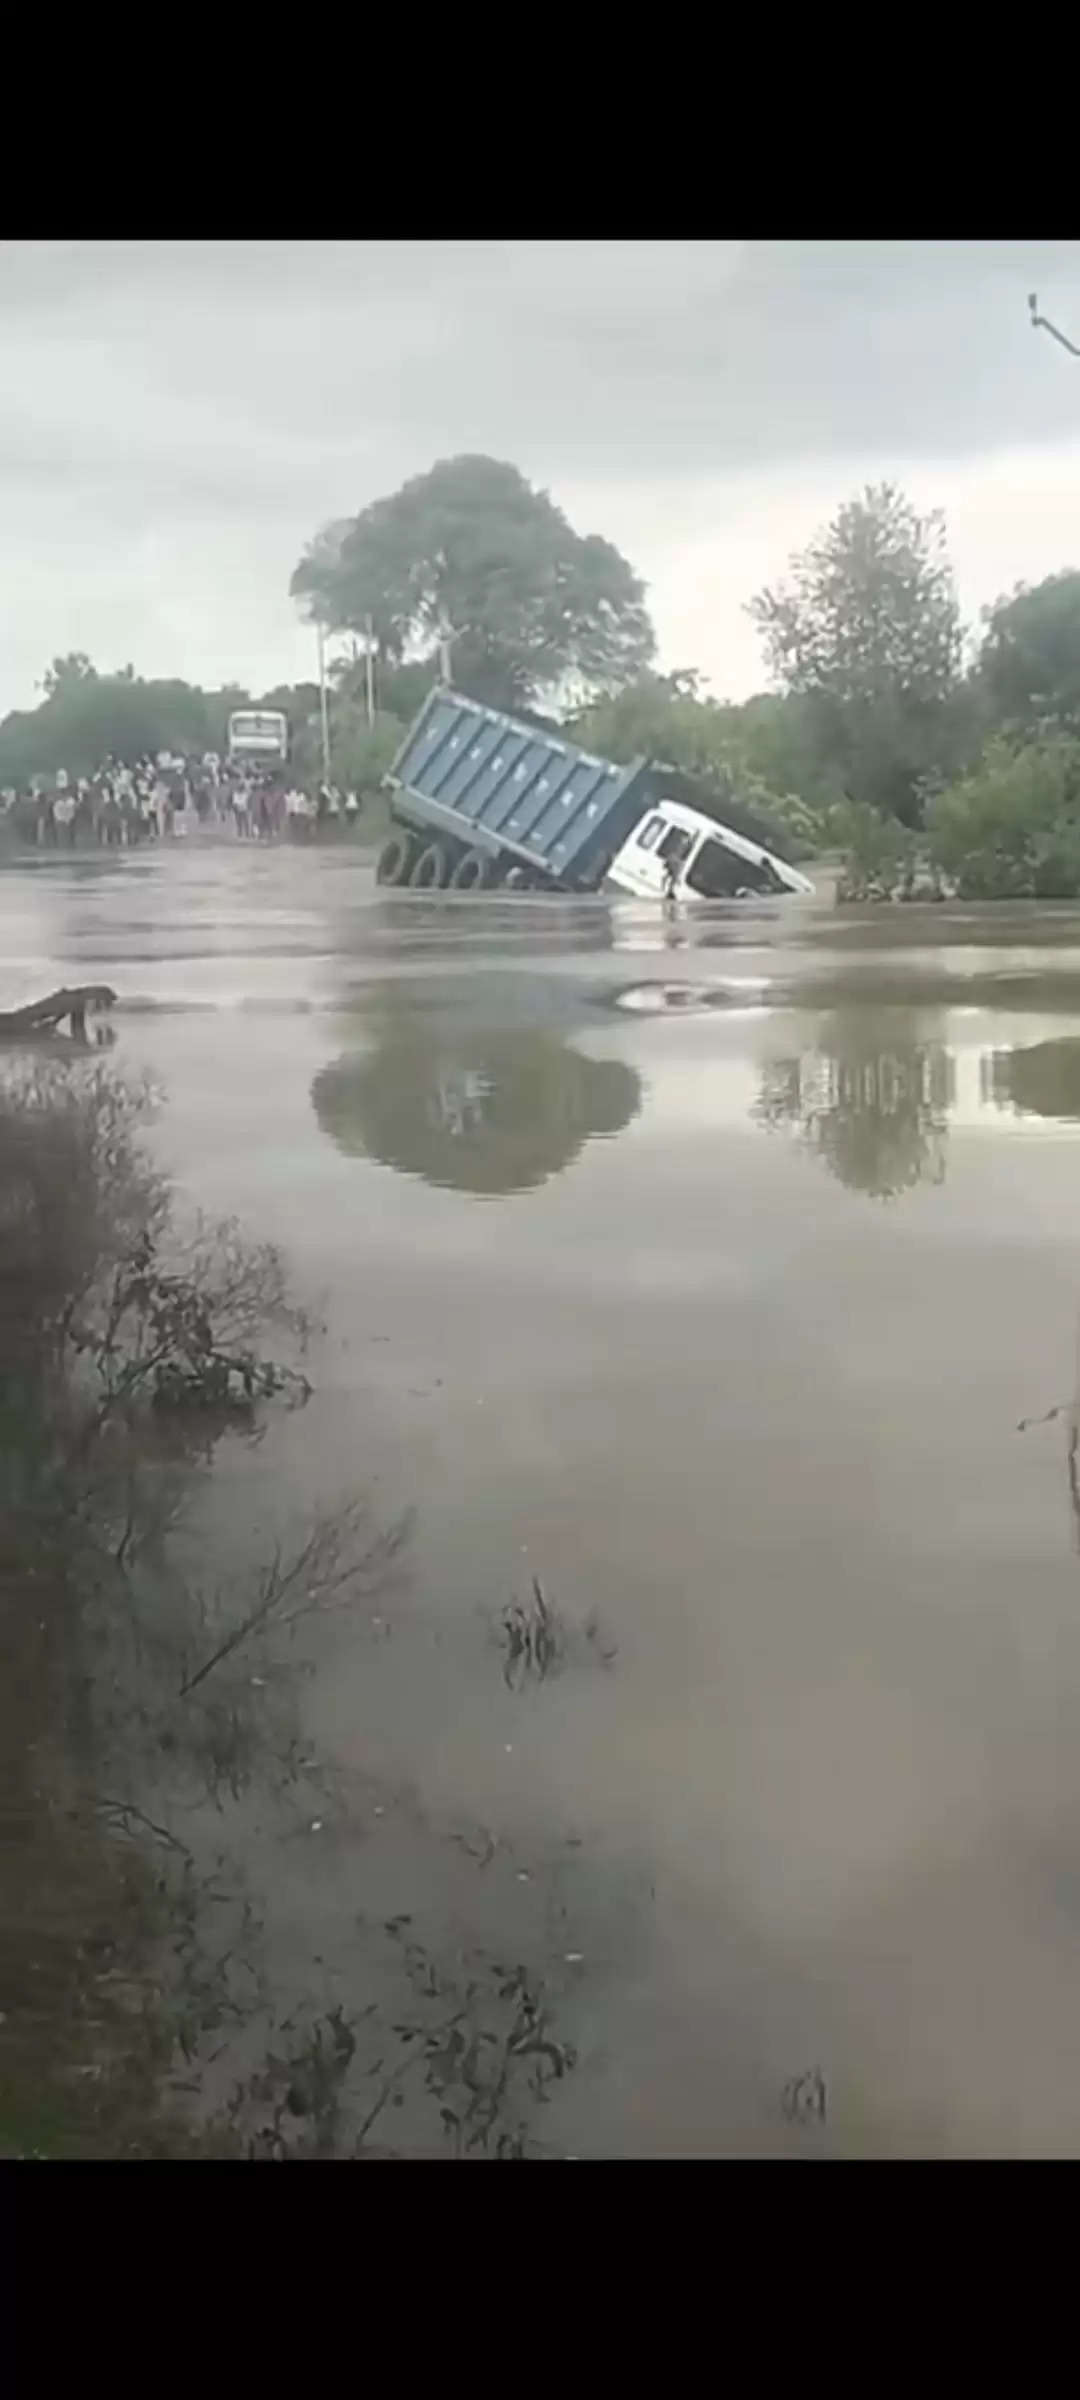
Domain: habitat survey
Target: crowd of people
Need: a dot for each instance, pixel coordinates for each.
(169, 799)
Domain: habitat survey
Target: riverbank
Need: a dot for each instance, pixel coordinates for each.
(368, 832)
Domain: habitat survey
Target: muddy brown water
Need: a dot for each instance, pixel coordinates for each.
(702, 1268)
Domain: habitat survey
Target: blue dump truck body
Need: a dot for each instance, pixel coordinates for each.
(501, 794)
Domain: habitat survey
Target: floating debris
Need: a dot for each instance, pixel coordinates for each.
(533, 1638)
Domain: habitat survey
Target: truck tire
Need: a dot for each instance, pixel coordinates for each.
(394, 859)
(430, 869)
(471, 872)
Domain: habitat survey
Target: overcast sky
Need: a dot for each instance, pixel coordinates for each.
(176, 419)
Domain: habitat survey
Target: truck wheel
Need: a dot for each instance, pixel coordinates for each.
(429, 872)
(471, 872)
(394, 860)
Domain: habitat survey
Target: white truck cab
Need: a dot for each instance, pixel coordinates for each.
(675, 851)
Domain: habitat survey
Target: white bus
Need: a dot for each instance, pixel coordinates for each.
(258, 733)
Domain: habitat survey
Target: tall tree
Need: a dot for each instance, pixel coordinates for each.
(1029, 663)
(867, 631)
(472, 555)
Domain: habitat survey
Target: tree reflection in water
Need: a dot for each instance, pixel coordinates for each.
(1042, 1080)
(869, 1099)
(490, 1111)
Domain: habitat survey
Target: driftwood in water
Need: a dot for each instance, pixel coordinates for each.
(44, 1016)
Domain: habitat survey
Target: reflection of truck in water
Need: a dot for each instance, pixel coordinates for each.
(476, 1109)
(480, 799)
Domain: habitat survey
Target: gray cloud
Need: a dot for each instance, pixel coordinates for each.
(206, 405)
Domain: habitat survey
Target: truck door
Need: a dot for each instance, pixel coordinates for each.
(644, 862)
(639, 867)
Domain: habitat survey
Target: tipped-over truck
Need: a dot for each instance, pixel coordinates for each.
(482, 801)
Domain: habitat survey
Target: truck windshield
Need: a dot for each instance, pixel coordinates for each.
(718, 873)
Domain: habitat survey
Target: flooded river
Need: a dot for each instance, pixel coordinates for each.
(703, 1271)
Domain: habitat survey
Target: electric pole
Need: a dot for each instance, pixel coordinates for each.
(448, 635)
(324, 710)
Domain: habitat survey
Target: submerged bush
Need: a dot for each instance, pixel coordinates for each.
(1011, 829)
(879, 854)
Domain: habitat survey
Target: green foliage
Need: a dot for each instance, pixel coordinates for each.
(1011, 829)
(657, 716)
(878, 853)
(165, 1337)
(361, 753)
(67, 672)
(727, 749)
(87, 717)
(399, 691)
(1029, 664)
(774, 733)
(471, 551)
(867, 634)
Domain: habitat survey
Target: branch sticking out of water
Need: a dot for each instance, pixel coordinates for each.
(537, 1641)
(327, 1573)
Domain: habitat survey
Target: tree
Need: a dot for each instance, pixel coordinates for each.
(738, 771)
(76, 667)
(92, 716)
(87, 717)
(871, 1100)
(361, 753)
(1029, 663)
(399, 691)
(867, 633)
(472, 555)
(487, 1110)
(1041, 1080)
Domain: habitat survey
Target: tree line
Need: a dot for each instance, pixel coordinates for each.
(935, 756)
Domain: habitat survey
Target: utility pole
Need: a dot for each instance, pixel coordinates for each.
(1033, 308)
(324, 711)
(369, 676)
(448, 634)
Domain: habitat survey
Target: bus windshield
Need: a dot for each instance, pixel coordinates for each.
(258, 732)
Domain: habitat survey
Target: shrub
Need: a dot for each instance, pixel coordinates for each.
(1011, 829)
(879, 854)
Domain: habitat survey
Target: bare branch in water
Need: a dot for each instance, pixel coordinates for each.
(127, 1808)
(325, 1574)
